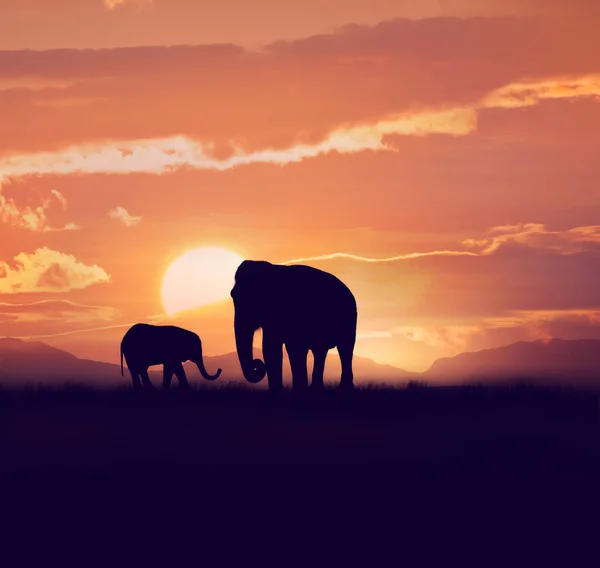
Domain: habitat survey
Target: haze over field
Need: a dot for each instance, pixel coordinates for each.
(439, 157)
(556, 363)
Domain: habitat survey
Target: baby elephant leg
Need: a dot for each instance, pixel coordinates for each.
(146, 379)
(167, 375)
(180, 373)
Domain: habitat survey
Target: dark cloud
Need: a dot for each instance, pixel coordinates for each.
(292, 91)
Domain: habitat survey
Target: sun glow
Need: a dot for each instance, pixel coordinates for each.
(199, 277)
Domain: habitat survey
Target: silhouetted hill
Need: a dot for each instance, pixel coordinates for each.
(573, 362)
(34, 362)
(569, 362)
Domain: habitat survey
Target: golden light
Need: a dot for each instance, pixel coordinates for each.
(199, 277)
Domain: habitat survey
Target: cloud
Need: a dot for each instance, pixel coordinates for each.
(416, 347)
(526, 94)
(542, 318)
(455, 337)
(508, 327)
(47, 270)
(35, 83)
(531, 235)
(161, 155)
(74, 331)
(112, 4)
(169, 154)
(61, 198)
(122, 215)
(373, 335)
(537, 235)
(32, 218)
(359, 76)
(515, 268)
(408, 256)
(153, 320)
(63, 311)
(533, 325)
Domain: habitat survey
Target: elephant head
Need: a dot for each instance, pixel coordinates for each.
(250, 299)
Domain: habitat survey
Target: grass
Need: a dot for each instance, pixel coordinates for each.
(221, 426)
(240, 460)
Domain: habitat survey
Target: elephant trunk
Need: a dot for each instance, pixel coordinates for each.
(254, 369)
(200, 364)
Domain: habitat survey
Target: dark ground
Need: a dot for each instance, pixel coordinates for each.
(435, 471)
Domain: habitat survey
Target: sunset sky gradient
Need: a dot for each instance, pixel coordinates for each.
(440, 157)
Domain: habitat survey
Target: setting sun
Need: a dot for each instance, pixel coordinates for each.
(199, 277)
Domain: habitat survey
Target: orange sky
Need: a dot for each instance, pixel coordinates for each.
(464, 131)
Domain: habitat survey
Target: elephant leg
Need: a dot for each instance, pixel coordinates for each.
(273, 355)
(135, 378)
(298, 365)
(180, 373)
(346, 351)
(146, 379)
(167, 376)
(318, 369)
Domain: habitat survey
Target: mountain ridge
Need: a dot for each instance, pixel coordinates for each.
(35, 361)
(574, 362)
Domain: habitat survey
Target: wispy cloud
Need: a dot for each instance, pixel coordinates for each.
(533, 235)
(167, 154)
(446, 336)
(537, 235)
(112, 4)
(61, 198)
(545, 324)
(531, 93)
(32, 218)
(373, 335)
(408, 256)
(75, 331)
(517, 318)
(35, 83)
(63, 311)
(47, 270)
(154, 320)
(161, 155)
(121, 214)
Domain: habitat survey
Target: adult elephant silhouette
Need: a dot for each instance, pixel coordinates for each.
(144, 345)
(298, 306)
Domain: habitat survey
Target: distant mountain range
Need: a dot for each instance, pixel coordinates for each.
(29, 362)
(575, 362)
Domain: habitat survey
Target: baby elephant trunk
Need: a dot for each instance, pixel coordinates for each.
(198, 360)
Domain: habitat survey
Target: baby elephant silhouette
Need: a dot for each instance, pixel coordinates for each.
(145, 345)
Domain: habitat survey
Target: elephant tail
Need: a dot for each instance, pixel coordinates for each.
(122, 361)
